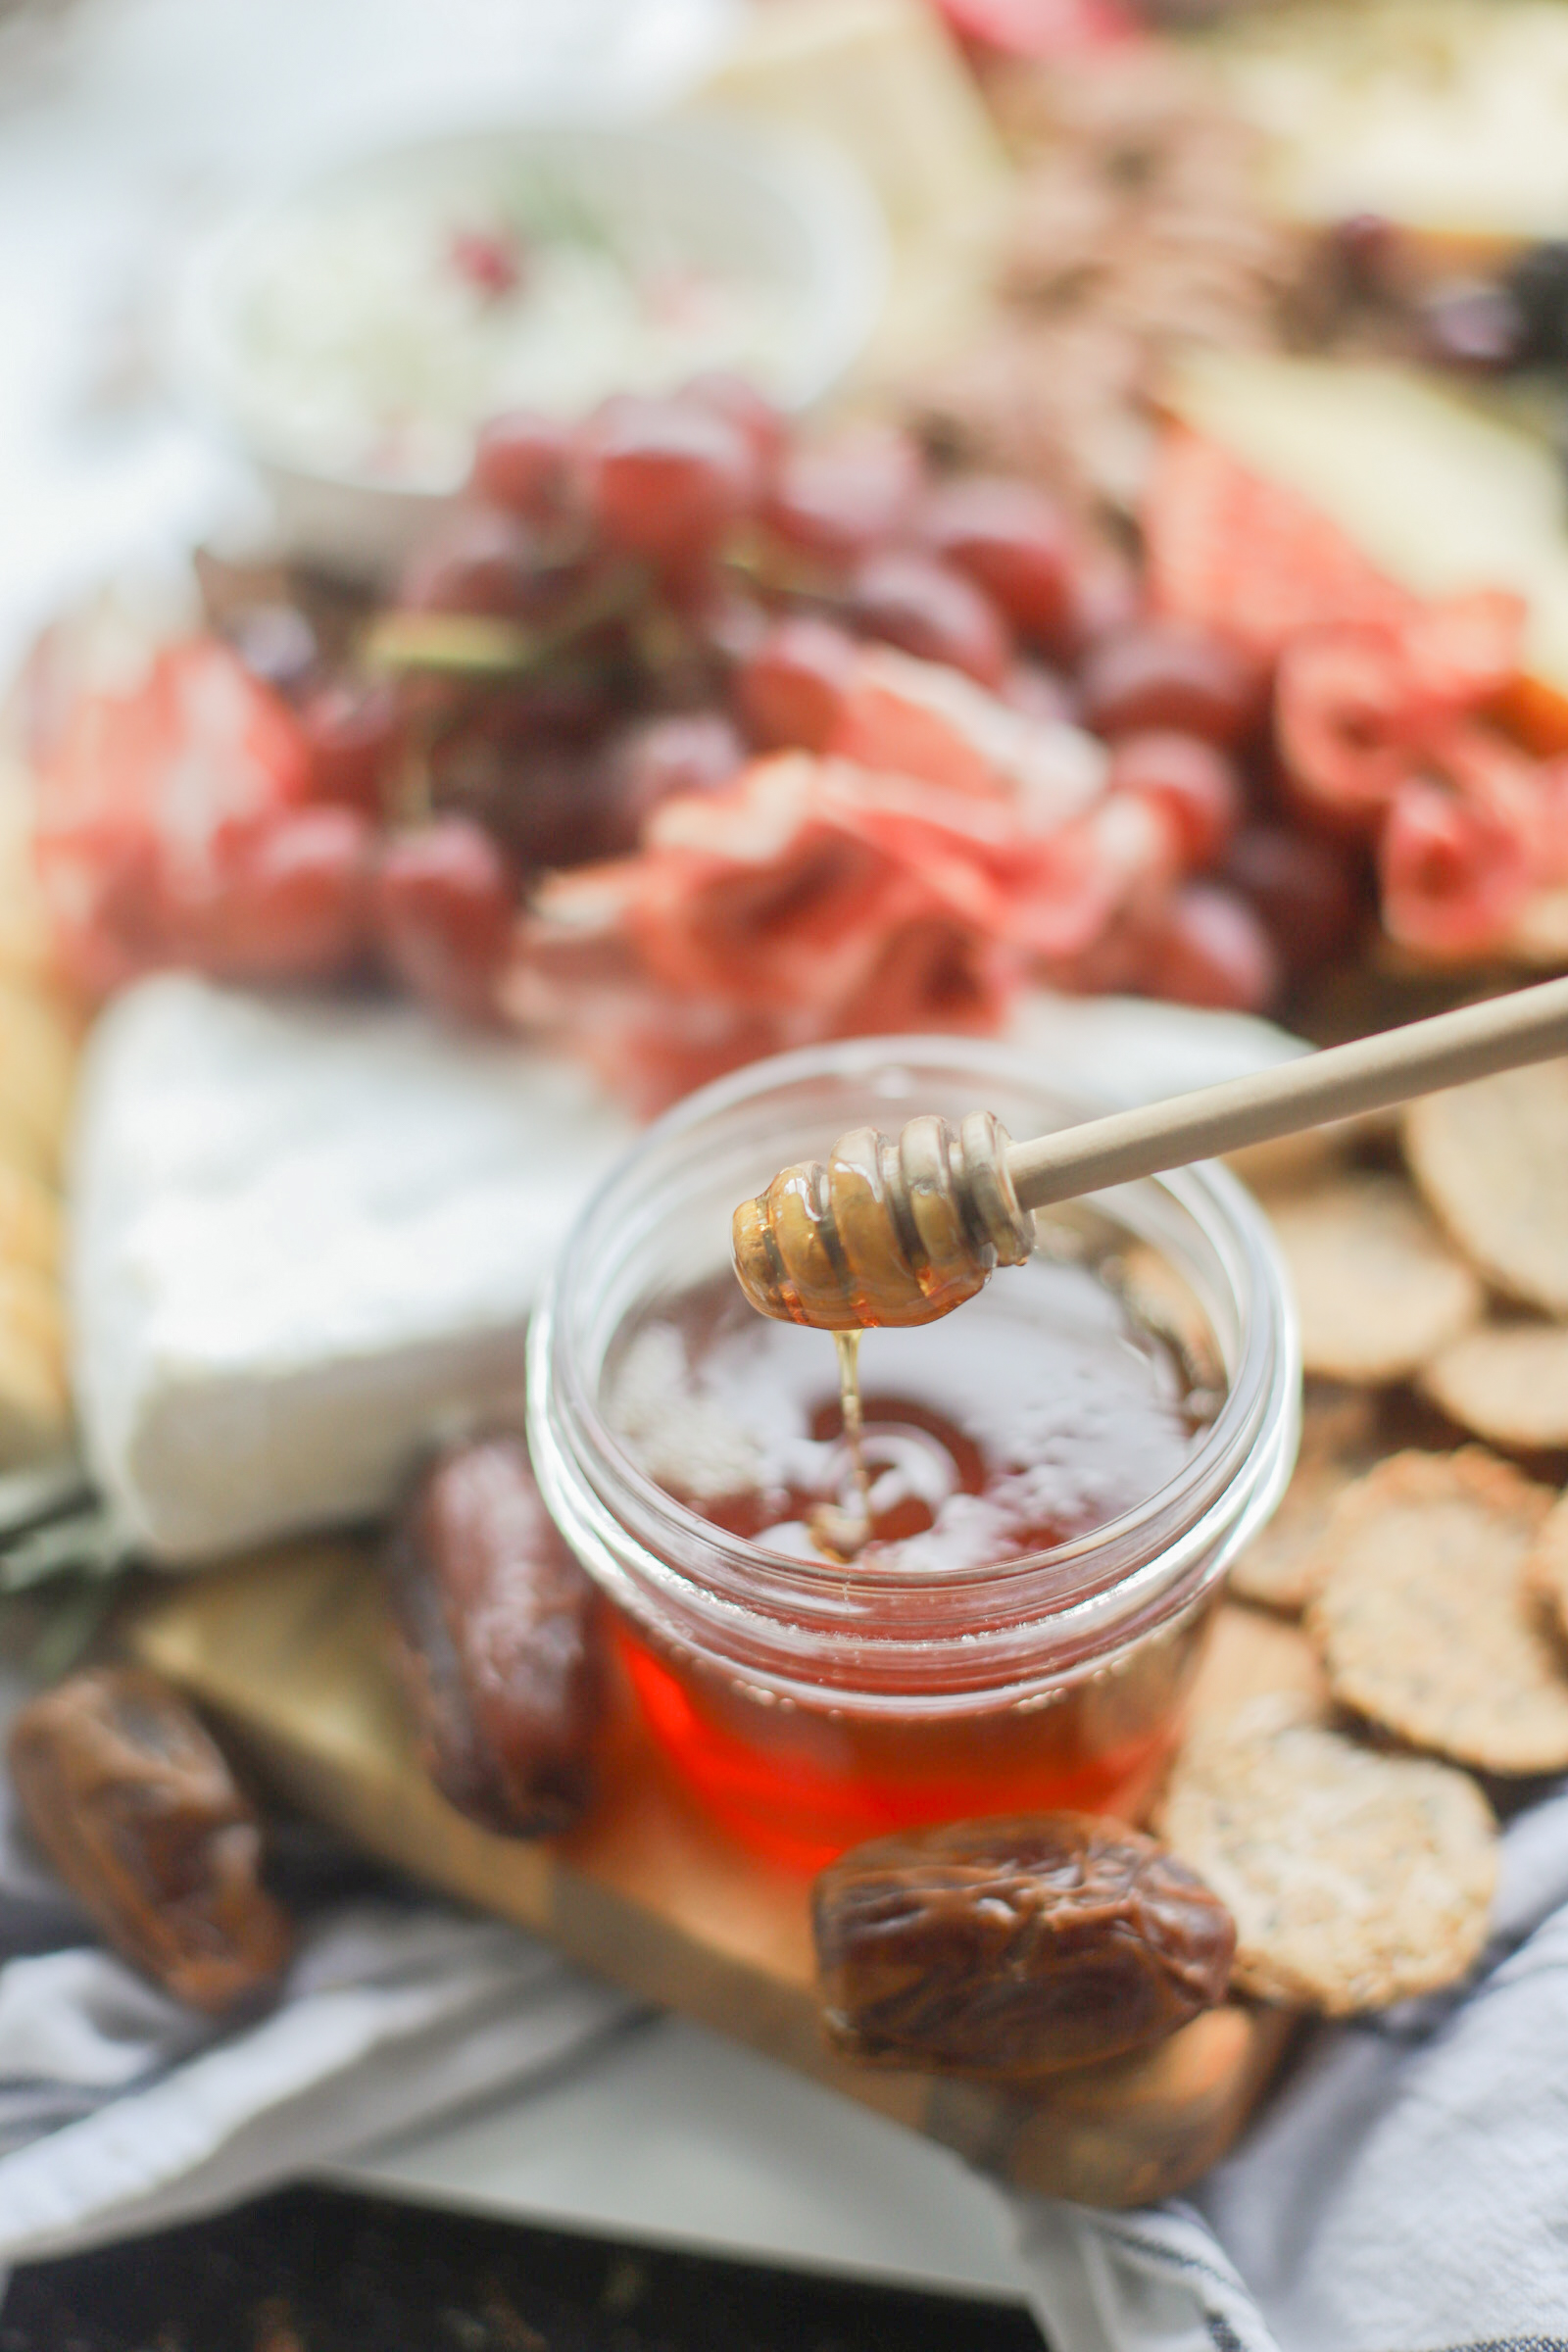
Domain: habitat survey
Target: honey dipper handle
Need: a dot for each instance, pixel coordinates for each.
(1421, 1058)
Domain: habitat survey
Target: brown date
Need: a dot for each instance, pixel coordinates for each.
(497, 1641)
(1015, 1947)
(132, 1802)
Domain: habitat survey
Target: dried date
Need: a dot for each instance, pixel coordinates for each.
(131, 1798)
(499, 1640)
(1013, 1948)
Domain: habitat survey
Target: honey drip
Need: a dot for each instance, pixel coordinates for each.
(848, 1346)
(836, 1531)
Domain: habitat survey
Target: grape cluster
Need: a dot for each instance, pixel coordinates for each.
(628, 609)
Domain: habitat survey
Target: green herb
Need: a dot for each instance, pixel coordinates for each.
(63, 1552)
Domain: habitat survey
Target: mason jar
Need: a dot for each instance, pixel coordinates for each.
(809, 1702)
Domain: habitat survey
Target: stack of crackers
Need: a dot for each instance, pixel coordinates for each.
(1355, 1838)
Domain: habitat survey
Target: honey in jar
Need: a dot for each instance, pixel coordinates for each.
(1006, 1615)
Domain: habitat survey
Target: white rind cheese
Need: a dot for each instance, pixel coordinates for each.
(305, 1236)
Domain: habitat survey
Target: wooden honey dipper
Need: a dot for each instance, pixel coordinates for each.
(901, 1230)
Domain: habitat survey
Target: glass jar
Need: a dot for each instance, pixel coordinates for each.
(810, 1704)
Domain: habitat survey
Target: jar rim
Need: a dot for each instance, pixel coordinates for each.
(1116, 1570)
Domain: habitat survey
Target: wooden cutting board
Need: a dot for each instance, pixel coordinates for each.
(289, 1652)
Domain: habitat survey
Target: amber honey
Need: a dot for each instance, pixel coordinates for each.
(799, 1784)
(1043, 1410)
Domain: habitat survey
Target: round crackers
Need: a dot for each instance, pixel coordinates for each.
(1493, 1161)
(1281, 1567)
(1427, 1620)
(1378, 1289)
(1354, 1879)
(1506, 1381)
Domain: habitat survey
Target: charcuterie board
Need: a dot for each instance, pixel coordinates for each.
(289, 1652)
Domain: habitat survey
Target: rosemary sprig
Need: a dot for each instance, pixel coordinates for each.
(28, 1497)
(63, 1552)
(92, 1542)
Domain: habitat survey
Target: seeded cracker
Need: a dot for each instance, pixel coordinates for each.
(1427, 1621)
(1377, 1286)
(1355, 1880)
(1281, 1567)
(1493, 1161)
(1507, 1382)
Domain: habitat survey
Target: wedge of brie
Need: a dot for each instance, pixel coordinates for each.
(305, 1238)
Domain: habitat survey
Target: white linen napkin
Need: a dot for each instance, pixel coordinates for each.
(388, 2017)
(1407, 2191)
(121, 2110)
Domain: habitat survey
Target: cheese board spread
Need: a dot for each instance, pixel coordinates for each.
(953, 1719)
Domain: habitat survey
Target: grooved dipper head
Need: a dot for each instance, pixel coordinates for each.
(886, 1231)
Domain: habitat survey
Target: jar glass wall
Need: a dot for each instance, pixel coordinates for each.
(810, 1702)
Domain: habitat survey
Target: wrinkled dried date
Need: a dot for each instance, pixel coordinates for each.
(1012, 1948)
(499, 1640)
(132, 1802)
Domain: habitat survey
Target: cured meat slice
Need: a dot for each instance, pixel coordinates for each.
(1250, 559)
(1342, 718)
(1454, 875)
(156, 804)
(817, 896)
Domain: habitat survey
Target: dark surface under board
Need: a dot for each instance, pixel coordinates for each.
(323, 2271)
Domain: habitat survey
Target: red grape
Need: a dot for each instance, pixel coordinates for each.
(559, 699)
(1163, 674)
(792, 690)
(736, 398)
(1210, 948)
(912, 601)
(1104, 599)
(729, 625)
(483, 562)
(1037, 692)
(1301, 886)
(1194, 781)
(351, 732)
(1011, 540)
(523, 462)
(666, 478)
(656, 758)
(841, 497)
(297, 906)
(444, 902)
(538, 793)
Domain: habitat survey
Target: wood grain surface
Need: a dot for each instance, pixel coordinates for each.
(290, 1653)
